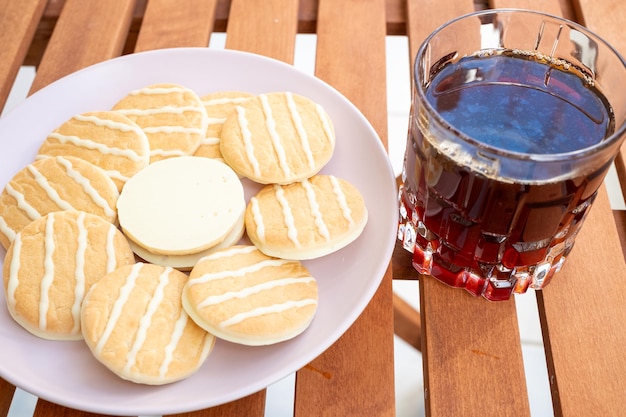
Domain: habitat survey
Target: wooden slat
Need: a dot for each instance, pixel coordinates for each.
(79, 39)
(407, 322)
(47, 409)
(546, 6)
(356, 67)
(424, 16)
(251, 406)
(7, 391)
(169, 24)
(583, 335)
(620, 223)
(354, 377)
(18, 22)
(607, 18)
(266, 28)
(470, 347)
(402, 264)
(472, 356)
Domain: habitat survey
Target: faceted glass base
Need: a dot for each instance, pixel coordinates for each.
(493, 282)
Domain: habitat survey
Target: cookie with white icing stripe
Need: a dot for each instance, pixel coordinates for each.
(187, 262)
(55, 184)
(307, 219)
(107, 139)
(243, 296)
(134, 323)
(218, 106)
(278, 138)
(52, 263)
(181, 206)
(172, 116)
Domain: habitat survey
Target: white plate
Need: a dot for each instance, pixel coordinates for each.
(65, 372)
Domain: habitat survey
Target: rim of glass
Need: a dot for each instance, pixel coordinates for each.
(535, 157)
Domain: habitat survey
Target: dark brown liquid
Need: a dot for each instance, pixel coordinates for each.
(492, 235)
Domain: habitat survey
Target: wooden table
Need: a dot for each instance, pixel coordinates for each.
(471, 348)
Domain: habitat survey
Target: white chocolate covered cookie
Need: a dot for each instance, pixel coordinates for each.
(307, 219)
(181, 206)
(51, 265)
(243, 296)
(187, 262)
(134, 323)
(278, 138)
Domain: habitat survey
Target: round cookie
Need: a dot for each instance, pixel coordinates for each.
(277, 138)
(172, 116)
(187, 262)
(307, 219)
(52, 263)
(134, 323)
(106, 139)
(55, 184)
(218, 106)
(243, 296)
(181, 206)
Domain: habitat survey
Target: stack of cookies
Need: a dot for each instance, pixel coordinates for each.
(127, 227)
(178, 210)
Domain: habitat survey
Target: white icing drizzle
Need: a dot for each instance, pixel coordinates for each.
(79, 271)
(159, 90)
(231, 252)
(116, 312)
(271, 128)
(173, 129)
(48, 273)
(216, 120)
(6, 230)
(276, 308)
(292, 230)
(22, 204)
(246, 292)
(258, 218)
(325, 123)
(304, 138)
(42, 181)
(224, 100)
(14, 270)
(210, 141)
(341, 199)
(166, 153)
(315, 210)
(87, 187)
(100, 147)
(177, 334)
(146, 320)
(247, 139)
(116, 175)
(237, 272)
(111, 124)
(161, 110)
(110, 249)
